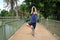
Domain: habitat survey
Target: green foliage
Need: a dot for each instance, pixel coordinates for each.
(46, 7)
(22, 7)
(27, 19)
(5, 13)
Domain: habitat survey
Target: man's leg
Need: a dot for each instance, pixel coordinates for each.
(29, 25)
(33, 29)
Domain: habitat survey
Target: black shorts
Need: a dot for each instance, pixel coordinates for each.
(33, 24)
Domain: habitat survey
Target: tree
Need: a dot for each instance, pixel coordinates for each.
(4, 13)
(23, 9)
(16, 8)
(46, 7)
(12, 4)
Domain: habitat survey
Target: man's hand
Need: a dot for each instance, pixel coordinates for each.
(33, 7)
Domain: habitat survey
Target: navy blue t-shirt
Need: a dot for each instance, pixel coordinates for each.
(33, 18)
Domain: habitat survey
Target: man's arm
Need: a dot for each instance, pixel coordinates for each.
(32, 10)
(35, 10)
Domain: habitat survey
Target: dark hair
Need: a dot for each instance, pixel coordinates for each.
(33, 9)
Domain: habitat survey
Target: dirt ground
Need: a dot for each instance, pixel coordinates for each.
(24, 33)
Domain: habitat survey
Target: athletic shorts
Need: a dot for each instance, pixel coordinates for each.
(33, 24)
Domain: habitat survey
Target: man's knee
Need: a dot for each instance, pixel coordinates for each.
(28, 25)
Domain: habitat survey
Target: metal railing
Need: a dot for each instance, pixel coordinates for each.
(9, 27)
(53, 26)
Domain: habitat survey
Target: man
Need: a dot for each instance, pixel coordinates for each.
(33, 20)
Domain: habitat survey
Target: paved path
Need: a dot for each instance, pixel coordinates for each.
(24, 33)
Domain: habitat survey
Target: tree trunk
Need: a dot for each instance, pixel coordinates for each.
(16, 10)
(12, 4)
(12, 10)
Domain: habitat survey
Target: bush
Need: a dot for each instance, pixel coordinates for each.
(27, 19)
(37, 20)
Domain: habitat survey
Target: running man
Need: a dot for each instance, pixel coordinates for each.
(33, 20)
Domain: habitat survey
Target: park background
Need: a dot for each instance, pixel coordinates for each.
(16, 12)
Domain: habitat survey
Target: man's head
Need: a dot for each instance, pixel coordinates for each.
(33, 9)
